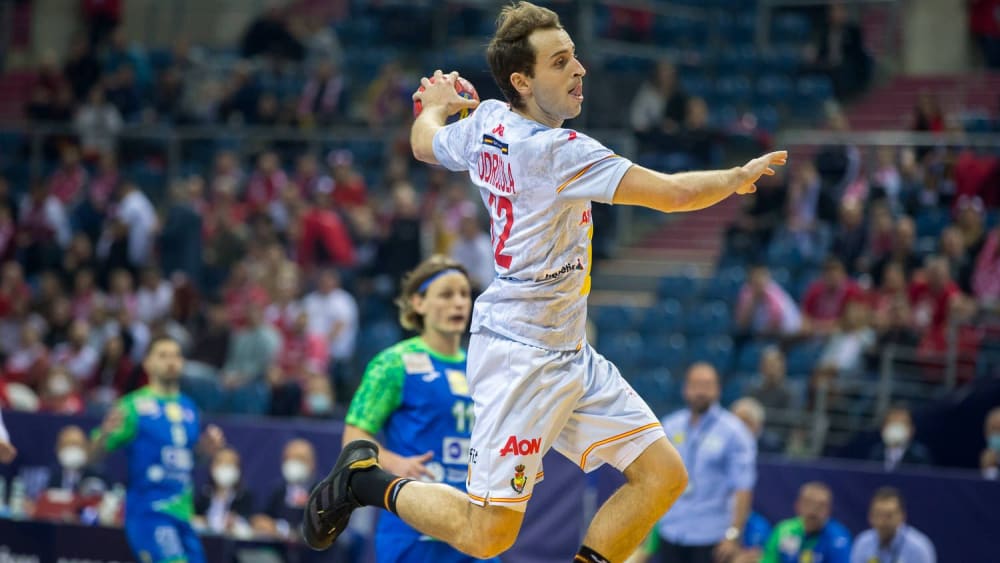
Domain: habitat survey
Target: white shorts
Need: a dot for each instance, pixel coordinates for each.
(528, 400)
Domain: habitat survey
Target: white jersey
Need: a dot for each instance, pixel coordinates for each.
(537, 183)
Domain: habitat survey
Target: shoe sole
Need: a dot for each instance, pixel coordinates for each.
(323, 540)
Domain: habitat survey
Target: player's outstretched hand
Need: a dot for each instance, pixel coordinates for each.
(7, 452)
(760, 166)
(212, 440)
(410, 467)
(439, 91)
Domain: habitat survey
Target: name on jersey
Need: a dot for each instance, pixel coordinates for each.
(496, 171)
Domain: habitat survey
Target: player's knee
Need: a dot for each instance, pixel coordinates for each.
(660, 470)
(492, 531)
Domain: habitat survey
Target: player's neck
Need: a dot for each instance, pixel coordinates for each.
(444, 344)
(164, 388)
(533, 112)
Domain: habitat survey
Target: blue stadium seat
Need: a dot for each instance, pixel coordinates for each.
(930, 222)
(748, 359)
(659, 388)
(801, 359)
(665, 351)
(735, 387)
(767, 117)
(716, 350)
(773, 88)
(677, 287)
(790, 27)
(613, 319)
(725, 285)
(710, 318)
(624, 349)
(815, 87)
(663, 318)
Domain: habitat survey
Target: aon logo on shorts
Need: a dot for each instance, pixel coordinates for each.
(522, 447)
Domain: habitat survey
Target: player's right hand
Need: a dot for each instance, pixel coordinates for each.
(760, 166)
(439, 91)
(410, 467)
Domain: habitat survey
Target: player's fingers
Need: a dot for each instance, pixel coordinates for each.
(469, 103)
(453, 75)
(769, 171)
(438, 73)
(426, 82)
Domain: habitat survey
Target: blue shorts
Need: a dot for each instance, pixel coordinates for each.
(159, 538)
(409, 548)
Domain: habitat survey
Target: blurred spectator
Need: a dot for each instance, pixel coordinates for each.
(454, 204)
(224, 505)
(986, 275)
(892, 317)
(169, 95)
(898, 445)
(320, 400)
(387, 100)
(850, 236)
(812, 535)
(59, 393)
(887, 177)
(267, 181)
(762, 213)
(102, 17)
(932, 300)
(79, 255)
(989, 459)
(7, 450)
(58, 319)
(879, 237)
(136, 214)
(772, 390)
(44, 228)
(119, 53)
(310, 178)
(697, 138)
(753, 415)
(952, 248)
(333, 316)
(302, 356)
(72, 473)
(239, 97)
(28, 362)
(212, 346)
(839, 52)
(268, 112)
(844, 352)
(890, 538)
(81, 69)
(928, 115)
(474, 250)
(807, 208)
(903, 250)
(765, 308)
(68, 181)
(155, 297)
(323, 97)
(181, 233)
(826, 298)
(285, 307)
(123, 91)
(76, 355)
(8, 232)
(838, 165)
(985, 27)
(269, 35)
(283, 511)
(349, 189)
(227, 171)
(241, 293)
(401, 249)
(323, 237)
(121, 295)
(115, 374)
(720, 455)
(660, 105)
(969, 218)
(252, 349)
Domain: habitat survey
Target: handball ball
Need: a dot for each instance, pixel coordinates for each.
(464, 88)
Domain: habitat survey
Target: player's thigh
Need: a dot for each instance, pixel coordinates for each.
(155, 538)
(611, 422)
(523, 397)
(412, 549)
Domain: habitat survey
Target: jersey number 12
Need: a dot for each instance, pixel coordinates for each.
(500, 205)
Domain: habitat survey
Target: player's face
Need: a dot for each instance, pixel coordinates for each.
(555, 92)
(165, 362)
(886, 516)
(446, 304)
(701, 389)
(813, 506)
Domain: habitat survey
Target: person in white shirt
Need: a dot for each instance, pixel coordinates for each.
(137, 213)
(474, 251)
(333, 315)
(890, 539)
(154, 298)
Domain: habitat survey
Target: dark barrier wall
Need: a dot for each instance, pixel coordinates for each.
(955, 508)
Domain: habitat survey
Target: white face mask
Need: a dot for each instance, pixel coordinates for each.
(72, 457)
(59, 386)
(225, 475)
(895, 434)
(295, 471)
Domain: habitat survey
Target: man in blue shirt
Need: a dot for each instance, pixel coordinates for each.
(812, 536)
(720, 455)
(890, 540)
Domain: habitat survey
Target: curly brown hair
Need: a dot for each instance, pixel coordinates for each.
(408, 317)
(510, 51)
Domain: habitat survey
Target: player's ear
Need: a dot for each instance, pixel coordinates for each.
(520, 83)
(417, 301)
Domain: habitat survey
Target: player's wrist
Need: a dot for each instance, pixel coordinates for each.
(732, 534)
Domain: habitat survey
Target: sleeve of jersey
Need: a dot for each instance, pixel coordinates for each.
(453, 144)
(379, 395)
(586, 169)
(126, 432)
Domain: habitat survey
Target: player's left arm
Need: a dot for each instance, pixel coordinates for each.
(439, 100)
(690, 191)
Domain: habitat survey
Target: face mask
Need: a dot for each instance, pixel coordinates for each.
(895, 434)
(59, 386)
(72, 457)
(295, 471)
(319, 404)
(225, 475)
(995, 442)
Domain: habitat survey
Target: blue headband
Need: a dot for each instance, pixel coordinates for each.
(427, 283)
